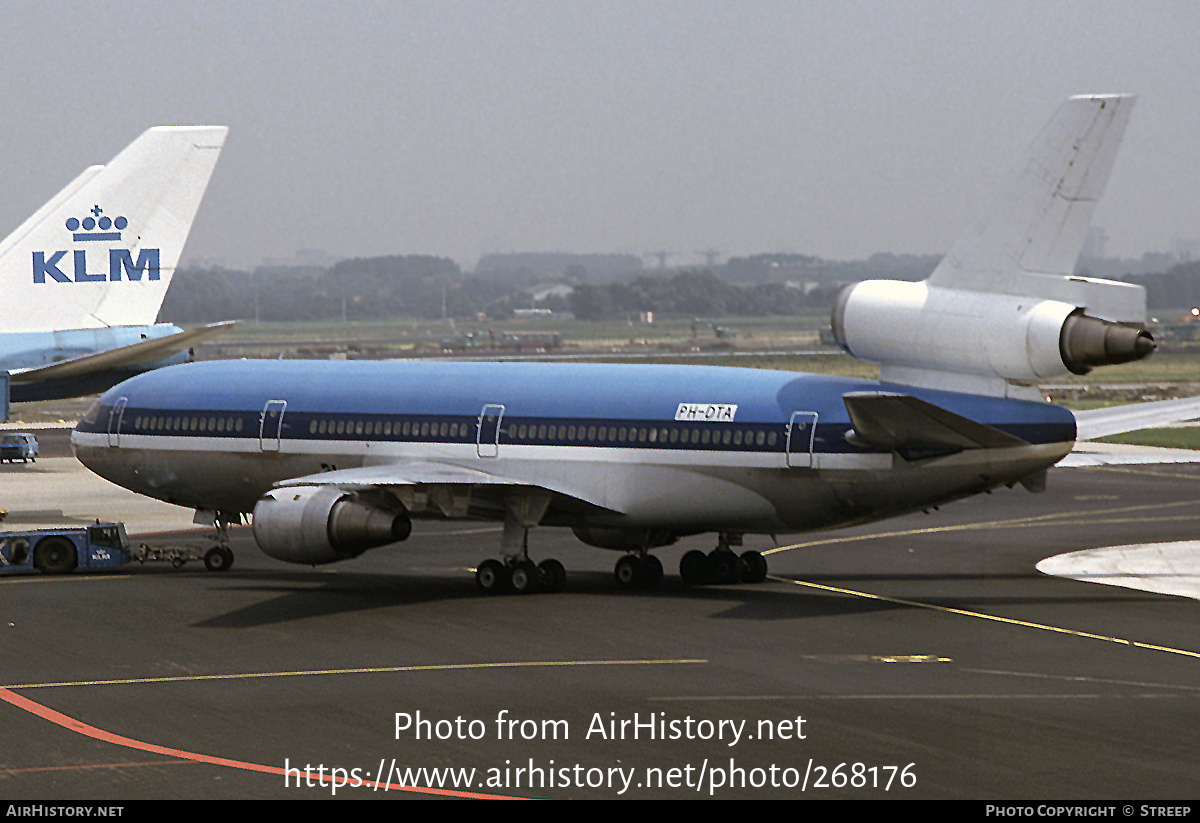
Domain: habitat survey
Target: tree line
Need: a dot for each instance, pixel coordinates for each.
(436, 287)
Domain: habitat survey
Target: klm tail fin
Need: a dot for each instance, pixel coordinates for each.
(103, 250)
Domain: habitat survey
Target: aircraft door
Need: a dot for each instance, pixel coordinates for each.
(114, 421)
(487, 439)
(270, 425)
(802, 431)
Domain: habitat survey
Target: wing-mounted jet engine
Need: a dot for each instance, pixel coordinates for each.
(1003, 310)
(323, 524)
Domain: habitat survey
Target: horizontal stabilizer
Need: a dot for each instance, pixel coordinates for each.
(1095, 423)
(901, 422)
(145, 352)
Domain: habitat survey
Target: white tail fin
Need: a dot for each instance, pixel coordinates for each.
(1029, 241)
(1003, 310)
(103, 250)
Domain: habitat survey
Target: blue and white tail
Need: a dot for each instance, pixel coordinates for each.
(102, 252)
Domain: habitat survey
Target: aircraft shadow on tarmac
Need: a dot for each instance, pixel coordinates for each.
(295, 596)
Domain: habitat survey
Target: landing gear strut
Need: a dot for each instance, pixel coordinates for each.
(517, 572)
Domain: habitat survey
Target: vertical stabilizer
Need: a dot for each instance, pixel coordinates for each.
(1003, 311)
(1028, 242)
(103, 250)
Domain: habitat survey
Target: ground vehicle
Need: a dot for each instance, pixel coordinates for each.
(16, 446)
(104, 545)
(57, 551)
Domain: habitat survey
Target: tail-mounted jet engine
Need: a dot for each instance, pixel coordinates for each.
(1023, 339)
(322, 524)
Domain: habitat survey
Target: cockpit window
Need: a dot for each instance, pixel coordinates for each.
(92, 414)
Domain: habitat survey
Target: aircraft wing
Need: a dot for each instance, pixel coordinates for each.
(406, 473)
(443, 477)
(147, 351)
(901, 422)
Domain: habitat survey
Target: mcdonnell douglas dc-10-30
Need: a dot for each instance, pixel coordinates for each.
(334, 458)
(85, 276)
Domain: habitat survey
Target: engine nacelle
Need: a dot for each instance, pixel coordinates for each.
(1018, 338)
(623, 540)
(321, 524)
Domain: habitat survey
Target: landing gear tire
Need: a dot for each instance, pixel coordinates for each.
(218, 559)
(652, 570)
(524, 577)
(491, 577)
(55, 555)
(638, 572)
(754, 567)
(693, 567)
(554, 576)
(628, 572)
(724, 566)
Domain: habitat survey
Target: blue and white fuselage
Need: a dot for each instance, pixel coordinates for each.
(676, 449)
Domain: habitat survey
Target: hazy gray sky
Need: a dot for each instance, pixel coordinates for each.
(454, 128)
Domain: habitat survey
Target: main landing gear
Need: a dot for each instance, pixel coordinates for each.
(722, 565)
(516, 572)
(521, 576)
(641, 571)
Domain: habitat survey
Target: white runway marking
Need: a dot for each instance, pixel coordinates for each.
(1165, 568)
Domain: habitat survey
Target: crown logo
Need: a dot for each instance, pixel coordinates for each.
(97, 226)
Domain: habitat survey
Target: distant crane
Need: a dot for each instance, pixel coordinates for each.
(660, 256)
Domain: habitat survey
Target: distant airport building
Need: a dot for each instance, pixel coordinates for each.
(805, 276)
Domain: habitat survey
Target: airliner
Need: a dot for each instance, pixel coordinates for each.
(84, 277)
(331, 459)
